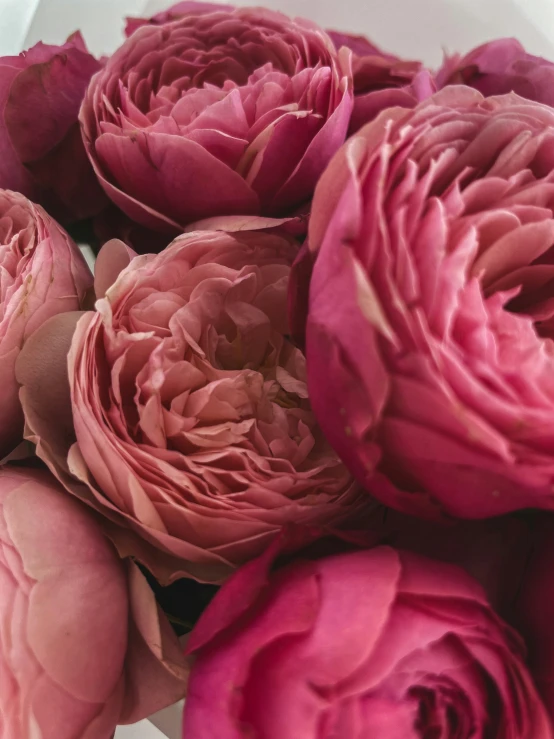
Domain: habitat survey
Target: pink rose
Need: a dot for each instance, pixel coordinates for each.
(41, 149)
(83, 645)
(378, 643)
(217, 113)
(42, 273)
(499, 67)
(195, 436)
(382, 80)
(179, 10)
(430, 311)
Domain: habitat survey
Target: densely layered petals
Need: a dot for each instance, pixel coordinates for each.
(194, 433)
(373, 643)
(42, 273)
(226, 112)
(83, 645)
(429, 330)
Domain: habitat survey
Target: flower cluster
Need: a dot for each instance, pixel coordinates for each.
(300, 413)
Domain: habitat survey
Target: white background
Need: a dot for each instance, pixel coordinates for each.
(416, 28)
(419, 29)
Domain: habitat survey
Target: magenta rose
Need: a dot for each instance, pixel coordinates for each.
(378, 643)
(42, 273)
(41, 149)
(430, 310)
(217, 113)
(382, 80)
(194, 432)
(83, 645)
(499, 67)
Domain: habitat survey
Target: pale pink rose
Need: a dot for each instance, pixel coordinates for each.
(42, 273)
(194, 432)
(227, 112)
(499, 67)
(83, 645)
(430, 309)
(378, 643)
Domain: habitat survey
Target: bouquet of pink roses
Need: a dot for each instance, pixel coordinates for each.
(288, 452)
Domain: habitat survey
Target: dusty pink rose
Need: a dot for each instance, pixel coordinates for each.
(499, 67)
(83, 645)
(179, 10)
(378, 643)
(195, 436)
(42, 273)
(430, 310)
(382, 80)
(41, 149)
(217, 113)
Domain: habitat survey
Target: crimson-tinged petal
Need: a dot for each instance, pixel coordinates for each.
(42, 152)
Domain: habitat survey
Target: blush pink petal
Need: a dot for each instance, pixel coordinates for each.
(73, 654)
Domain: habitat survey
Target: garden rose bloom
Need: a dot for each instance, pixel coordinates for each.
(382, 80)
(499, 67)
(41, 149)
(377, 643)
(194, 431)
(430, 312)
(42, 273)
(217, 113)
(82, 644)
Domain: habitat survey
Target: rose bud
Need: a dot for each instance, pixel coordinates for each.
(499, 67)
(229, 112)
(376, 643)
(195, 436)
(430, 309)
(188, 7)
(41, 149)
(382, 80)
(84, 646)
(42, 273)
